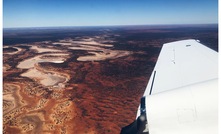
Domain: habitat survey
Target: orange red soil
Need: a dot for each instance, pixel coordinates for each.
(96, 97)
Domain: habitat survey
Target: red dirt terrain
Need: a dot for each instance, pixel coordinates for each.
(81, 84)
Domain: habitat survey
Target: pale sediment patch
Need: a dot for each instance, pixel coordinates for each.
(11, 98)
(98, 52)
(8, 102)
(98, 56)
(32, 123)
(54, 58)
(46, 79)
(63, 43)
(92, 43)
(6, 67)
(42, 50)
(87, 48)
(58, 61)
(86, 41)
(12, 53)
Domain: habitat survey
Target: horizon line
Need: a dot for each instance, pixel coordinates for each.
(108, 25)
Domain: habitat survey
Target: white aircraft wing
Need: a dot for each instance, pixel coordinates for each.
(182, 94)
(182, 63)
